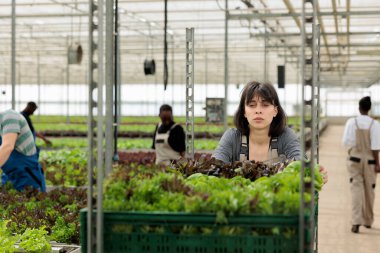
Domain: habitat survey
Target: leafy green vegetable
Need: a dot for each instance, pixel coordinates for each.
(35, 241)
(7, 241)
(63, 231)
(157, 190)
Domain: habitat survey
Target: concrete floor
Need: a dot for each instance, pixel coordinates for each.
(335, 234)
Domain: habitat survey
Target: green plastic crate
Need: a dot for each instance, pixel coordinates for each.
(152, 232)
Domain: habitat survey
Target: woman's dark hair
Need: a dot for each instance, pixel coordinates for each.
(268, 93)
(365, 104)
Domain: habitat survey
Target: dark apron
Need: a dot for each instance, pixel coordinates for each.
(22, 171)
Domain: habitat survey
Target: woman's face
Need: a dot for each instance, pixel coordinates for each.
(260, 113)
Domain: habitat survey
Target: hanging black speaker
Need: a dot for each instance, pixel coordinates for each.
(149, 67)
(74, 54)
(281, 76)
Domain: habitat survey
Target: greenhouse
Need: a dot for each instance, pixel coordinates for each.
(189, 126)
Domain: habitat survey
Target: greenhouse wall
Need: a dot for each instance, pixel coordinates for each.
(145, 100)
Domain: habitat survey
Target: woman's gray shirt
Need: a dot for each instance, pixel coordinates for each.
(228, 149)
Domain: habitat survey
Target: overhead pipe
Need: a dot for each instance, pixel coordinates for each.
(323, 35)
(13, 56)
(266, 34)
(291, 10)
(348, 7)
(336, 24)
(226, 77)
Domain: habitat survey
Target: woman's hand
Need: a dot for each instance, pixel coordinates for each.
(323, 172)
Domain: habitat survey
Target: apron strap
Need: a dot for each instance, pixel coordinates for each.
(356, 123)
(371, 124)
(244, 148)
(274, 147)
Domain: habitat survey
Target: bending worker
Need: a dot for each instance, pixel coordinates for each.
(362, 138)
(29, 110)
(169, 138)
(18, 153)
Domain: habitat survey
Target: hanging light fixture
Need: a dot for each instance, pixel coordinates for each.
(149, 67)
(75, 53)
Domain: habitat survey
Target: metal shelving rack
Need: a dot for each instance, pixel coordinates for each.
(190, 93)
(309, 121)
(94, 82)
(100, 152)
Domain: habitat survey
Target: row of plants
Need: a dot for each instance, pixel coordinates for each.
(144, 128)
(53, 214)
(130, 119)
(231, 192)
(32, 240)
(68, 167)
(122, 143)
(123, 119)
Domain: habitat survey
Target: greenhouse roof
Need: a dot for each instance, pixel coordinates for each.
(350, 40)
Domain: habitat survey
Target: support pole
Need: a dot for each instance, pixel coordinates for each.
(266, 54)
(226, 66)
(95, 142)
(100, 132)
(172, 70)
(13, 57)
(116, 82)
(309, 121)
(206, 72)
(190, 93)
(317, 85)
(314, 157)
(39, 84)
(109, 75)
(67, 83)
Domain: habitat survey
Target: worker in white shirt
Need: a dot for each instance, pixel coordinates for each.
(362, 139)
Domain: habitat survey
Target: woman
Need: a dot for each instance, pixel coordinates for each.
(261, 132)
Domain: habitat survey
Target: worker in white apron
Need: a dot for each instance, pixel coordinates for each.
(361, 136)
(169, 138)
(165, 154)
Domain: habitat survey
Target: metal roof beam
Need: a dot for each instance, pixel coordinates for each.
(291, 10)
(46, 15)
(326, 33)
(286, 14)
(348, 6)
(323, 33)
(230, 16)
(333, 45)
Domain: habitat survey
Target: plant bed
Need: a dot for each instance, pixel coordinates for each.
(65, 167)
(147, 157)
(161, 210)
(56, 248)
(56, 212)
(122, 143)
(125, 134)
